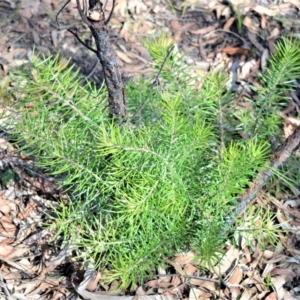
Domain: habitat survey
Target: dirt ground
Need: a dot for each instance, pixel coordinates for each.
(237, 36)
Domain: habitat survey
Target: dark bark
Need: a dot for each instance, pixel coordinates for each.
(94, 18)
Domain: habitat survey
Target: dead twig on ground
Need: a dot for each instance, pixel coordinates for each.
(281, 154)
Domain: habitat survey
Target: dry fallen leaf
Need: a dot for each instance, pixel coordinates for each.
(237, 275)
(228, 23)
(205, 30)
(227, 260)
(190, 269)
(235, 51)
(196, 294)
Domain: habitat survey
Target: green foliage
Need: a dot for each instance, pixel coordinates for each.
(141, 192)
(279, 78)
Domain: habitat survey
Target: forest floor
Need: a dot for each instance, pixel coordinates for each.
(237, 36)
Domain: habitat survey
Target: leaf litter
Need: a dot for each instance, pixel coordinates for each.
(239, 37)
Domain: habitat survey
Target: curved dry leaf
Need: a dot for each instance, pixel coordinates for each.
(209, 285)
(219, 10)
(268, 269)
(228, 23)
(263, 22)
(248, 294)
(227, 260)
(287, 272)
(7, 226)
(175, 282)
(295, 3)
(94, 281)
(248, 22)
(292, 120)
(272, 296)
(284, 221)
(5, 251)
(205, 30)
(278, 283)
(47, 283)
(247, 254)
(235, 292)
(263, 10)
(153, 283)
(190, 269)
(246, 69)
(124, 57)
(135, 6)
(274, 34)
(237, 275)
(4, 207)
(185, 258)
(195, 294)
(178, 268)
(226, 12)
(235, 51)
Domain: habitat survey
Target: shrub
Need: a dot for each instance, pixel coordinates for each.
(163, 182)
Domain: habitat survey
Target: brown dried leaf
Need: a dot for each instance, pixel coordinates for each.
(185, 258)
(94, 282)
(248, 22)
(205, 30)
(231, 255)
(190, 269)
(7, 226)
(210, 286)
(228, 23)
(235, 51)
(271, 11)
(274, 34)
(124, 57)
(220, 11)
(272, 296)
(278, 283)
(246, 69)
(4, 207)
(153, 283)
(248, 294)
(196, 294)
(237, 275)
(235, 292)
(176, 281)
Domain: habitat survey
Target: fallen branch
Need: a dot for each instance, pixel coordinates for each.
(281, 154)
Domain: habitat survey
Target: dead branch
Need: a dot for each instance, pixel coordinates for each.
(281, 154)
(94, 17)
(92, 14)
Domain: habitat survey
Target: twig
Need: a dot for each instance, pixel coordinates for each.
(220, 280)
(83, 12)
(111, 12)
(92, 70)
(82, 42)
(281, 154)
(138, 112)
(60, 10)
(92, 14)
